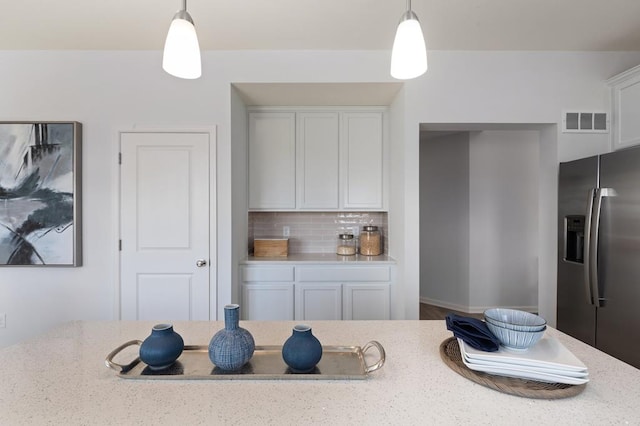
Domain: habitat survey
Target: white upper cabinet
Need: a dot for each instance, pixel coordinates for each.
(362, 161)
(318, 146)
(625, 102)
(317, 160)
(272, 160)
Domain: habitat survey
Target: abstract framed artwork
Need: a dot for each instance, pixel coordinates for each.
(40, 193)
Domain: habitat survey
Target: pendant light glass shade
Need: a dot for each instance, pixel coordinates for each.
(181, 56)
(409, 54)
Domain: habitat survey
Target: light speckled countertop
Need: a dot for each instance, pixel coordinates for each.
(302, 258)
(60, 378)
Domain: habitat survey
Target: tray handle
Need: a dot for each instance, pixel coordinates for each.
(373, 367)
(118, 367)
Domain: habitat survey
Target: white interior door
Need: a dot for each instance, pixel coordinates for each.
(164, 226)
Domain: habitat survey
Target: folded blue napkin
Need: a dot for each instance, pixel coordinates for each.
(473, 332)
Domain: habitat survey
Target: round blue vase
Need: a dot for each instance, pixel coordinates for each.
(233, 346)
(162, 348)
(302, 351)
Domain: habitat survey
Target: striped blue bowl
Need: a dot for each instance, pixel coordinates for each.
(514, 319)
(515, 339)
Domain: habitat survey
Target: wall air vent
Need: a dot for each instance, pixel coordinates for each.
(585, 122)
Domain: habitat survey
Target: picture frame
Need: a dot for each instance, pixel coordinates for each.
(40, 193)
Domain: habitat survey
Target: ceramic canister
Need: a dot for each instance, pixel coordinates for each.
(162, 348)
(302, 351)
(232, 347)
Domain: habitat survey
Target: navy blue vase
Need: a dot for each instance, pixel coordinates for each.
(302, 351)
(232, 347)
(162, 348)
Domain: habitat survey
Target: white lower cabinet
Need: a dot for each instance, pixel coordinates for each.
(316, 292)
(267, 293)
(318, 301)
(365, 302)
(267, 301)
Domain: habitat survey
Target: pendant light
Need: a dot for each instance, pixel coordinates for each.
(181, 56)
(409, 54)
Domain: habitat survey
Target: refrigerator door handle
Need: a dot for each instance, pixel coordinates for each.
(588, 223)
(593, 251)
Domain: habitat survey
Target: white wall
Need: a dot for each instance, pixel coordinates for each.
(444, 220)
(401, 297)
(108, 91)
(239, 184)
(548, 223)
(503, 213)
(516, 87)
(479, 219)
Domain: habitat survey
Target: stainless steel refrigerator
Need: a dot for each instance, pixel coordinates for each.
(599, 252)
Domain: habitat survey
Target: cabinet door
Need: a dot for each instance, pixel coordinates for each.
(365, 301)
(272, 157)
(362, 166)
(626, 110)
(319, 301)
(318, 167)
(267, 302)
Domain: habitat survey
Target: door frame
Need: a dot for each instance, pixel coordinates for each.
(210, 130)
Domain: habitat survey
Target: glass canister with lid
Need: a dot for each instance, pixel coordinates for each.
(370, 241)
(346, 245)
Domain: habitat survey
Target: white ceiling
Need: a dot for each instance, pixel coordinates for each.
(323, 24)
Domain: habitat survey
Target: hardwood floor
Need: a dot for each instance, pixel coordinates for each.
(432, 312)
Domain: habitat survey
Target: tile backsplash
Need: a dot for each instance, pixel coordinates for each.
(312, 232)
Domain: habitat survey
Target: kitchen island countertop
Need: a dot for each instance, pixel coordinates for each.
(60, 378)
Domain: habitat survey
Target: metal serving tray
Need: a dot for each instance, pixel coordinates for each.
(337, 363)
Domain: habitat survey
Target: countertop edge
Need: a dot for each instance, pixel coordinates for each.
(314, 258)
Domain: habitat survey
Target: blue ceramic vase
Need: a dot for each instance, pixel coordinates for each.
(232, 347)
(162, 348)
(302, 351)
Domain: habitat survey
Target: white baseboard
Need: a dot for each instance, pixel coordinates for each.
(472, 309)
(446, 305)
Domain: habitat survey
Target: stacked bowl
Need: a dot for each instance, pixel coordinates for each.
(515, 329)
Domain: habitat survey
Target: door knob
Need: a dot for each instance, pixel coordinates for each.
(200, 263)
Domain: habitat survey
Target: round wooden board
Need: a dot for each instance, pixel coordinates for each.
(450, 353)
